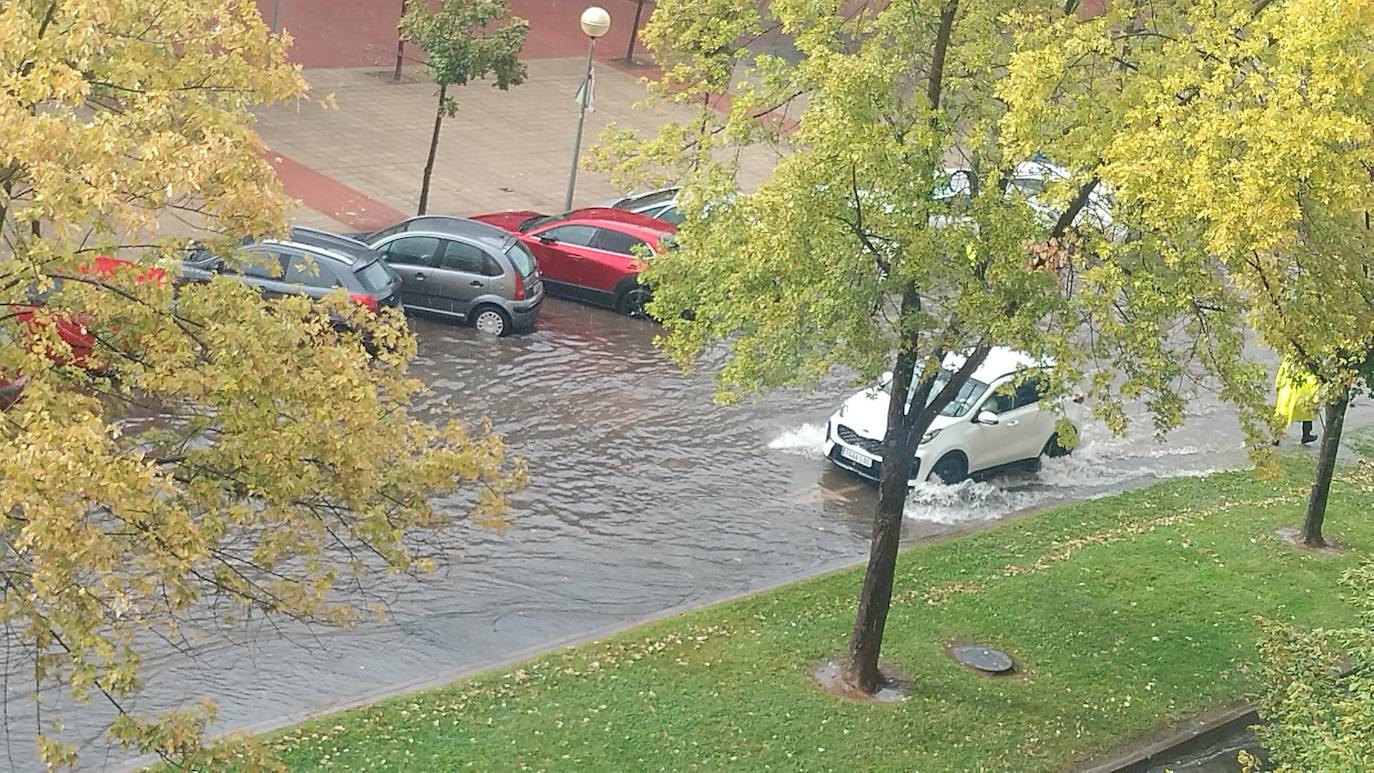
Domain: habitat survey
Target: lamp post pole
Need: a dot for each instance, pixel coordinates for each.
(276, 16)
(595, 23)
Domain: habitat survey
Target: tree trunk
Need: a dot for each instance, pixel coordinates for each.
(634, 31)
(433, 150)
(1326, 470)
(899, 452)
(904, 429)
(400, 46)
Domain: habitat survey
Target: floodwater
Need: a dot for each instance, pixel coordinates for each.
(646, 497)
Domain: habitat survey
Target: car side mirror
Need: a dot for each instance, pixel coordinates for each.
(546, 240)
(987, 417)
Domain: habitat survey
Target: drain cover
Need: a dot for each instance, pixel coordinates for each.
(983, 658)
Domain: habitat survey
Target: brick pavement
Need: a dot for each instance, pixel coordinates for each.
(362, 33)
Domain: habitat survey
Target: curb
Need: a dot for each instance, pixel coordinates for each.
(1139, 754)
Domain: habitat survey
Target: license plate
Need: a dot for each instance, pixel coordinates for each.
(855, 456)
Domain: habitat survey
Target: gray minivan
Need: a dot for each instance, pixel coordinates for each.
(463, 270)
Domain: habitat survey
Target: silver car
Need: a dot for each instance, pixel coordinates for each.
(661, 204)
(463, 270)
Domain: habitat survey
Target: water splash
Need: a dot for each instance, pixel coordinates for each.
(965, 503)
(806, 440)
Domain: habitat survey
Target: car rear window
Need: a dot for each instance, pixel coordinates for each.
(521, 258)
(375, 276)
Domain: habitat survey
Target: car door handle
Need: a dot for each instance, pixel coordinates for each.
(475, 283)
(419, 277)
(1013, 423)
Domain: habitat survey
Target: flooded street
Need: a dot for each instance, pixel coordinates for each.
(645, 497)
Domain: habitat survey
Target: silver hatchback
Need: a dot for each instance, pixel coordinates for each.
(462, 270)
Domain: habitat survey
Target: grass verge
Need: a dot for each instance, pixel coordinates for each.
(1123, 613)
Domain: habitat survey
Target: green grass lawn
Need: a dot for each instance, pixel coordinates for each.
(1122, 613)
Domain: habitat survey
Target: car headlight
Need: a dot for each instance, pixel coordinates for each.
(929, 436)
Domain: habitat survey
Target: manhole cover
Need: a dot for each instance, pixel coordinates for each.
(983, 658)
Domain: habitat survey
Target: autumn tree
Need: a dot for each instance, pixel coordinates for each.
(865, 250)
(463, 42)
(212, 453)
(1244, 129)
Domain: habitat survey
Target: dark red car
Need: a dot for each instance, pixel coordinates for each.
(590, 255)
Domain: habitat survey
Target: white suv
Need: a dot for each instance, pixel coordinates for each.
(993, 422)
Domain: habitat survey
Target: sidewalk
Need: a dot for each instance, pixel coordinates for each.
(359, 166)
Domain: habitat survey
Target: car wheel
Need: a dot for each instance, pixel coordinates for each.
(632, 301)
(951, 469)
(1052, 448)
(492, 321)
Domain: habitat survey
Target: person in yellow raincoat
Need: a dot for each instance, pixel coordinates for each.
(1297, 398)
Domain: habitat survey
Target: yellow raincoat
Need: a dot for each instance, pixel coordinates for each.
(1297, 393)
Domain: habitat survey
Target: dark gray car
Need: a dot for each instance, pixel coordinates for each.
(463, 270)
(312, 262)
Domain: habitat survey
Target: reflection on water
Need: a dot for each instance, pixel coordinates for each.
(645, 497)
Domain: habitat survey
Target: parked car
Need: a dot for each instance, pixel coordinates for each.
(998, 419)
(660, 204)
(464, 270)
(11, 389)
(312, 262)
(11, 384)
(74, 328)
(591, 255)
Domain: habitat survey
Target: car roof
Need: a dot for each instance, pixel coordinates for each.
(648, 198)
(639, 225)
(330, 245)
(1001, 361)
(449, 225)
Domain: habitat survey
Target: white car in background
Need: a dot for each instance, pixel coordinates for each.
(997, 420)
(1028, 178)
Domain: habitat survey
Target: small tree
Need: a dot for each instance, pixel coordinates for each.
(855, 253)
(461, 45)
(1244, 130)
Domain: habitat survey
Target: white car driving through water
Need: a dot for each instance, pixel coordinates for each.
(996, 420)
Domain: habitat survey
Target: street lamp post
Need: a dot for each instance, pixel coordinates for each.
(595, 23)
(276, 16)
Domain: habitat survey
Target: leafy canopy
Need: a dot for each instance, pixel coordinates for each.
(215, 455)
(854, 247)
(1247, 126)
(461, 44)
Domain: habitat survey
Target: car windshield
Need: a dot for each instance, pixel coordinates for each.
(375, 276)
(521, 258)
(962, 402)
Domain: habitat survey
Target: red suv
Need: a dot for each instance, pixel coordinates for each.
(590, 255)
